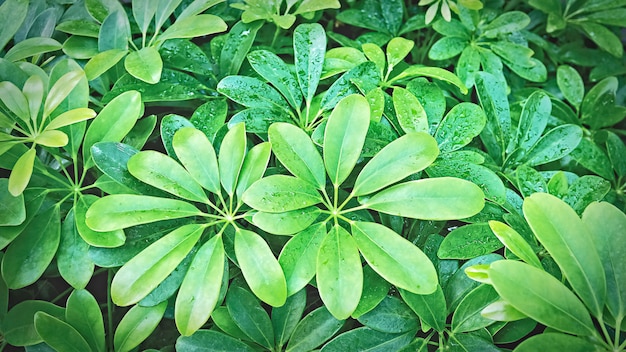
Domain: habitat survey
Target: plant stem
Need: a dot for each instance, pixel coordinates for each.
(110, 330)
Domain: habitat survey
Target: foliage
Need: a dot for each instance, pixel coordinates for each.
(303, 175)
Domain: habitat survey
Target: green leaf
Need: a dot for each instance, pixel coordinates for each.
(144, 272)
(309, 46)
(12, 209)
(116, 212)
(286, 223)
(603, 37)
(254, 166)
(22, 172)
(145, 64)
(533, 120)
(344, 137)
(21, 331)
(260, 268)
(197, 7)
(362, 77)
(210, 341)
(281, 193)
(313, 330)
(72, 256)
(571, 84)
(231, 157)
(430, 308)
(200, 290)
(83, 313)
(99, 9)
(250, 316)
(467, 316)
(339, 273)
(429, 199)
(236, 45)
(407, 155)
(606, 224)
(286, 317)
(193, 26)
(551, 340)
(52, 139)
(569, 242)
(530, 181)
(32, 47)
(114, 121)
(397, 49)
(163, 172)
(164, 9)
(394, 258)
(508, 22)
(515, 243)
(58, 334)
(33, 92)
(557, 143)
(137, 325)
(114, 31)
(593, 158)
(28, 256)
(299, 256)
(586, 189)
(468, 65)
(296, 151)
(373, 293)
(615, 149)
(367, 339)
(251, 92)
(375, 54)
(492, 95)
(316, 5)
(503, 311)
(103, 61)
(391, 316)
(201, 166)
(12, 14)
(469, 241)
(61, 89)
(462, 123)
(273, 69)
(410, 112)
(447, 48)
(71, 117)
(540, 296)
(432, 72)
(143, 13)
(15, 100)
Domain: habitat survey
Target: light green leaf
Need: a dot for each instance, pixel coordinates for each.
(196, 153)
(447, 48)
(569, 242)
(72, 256)
(299, 256)
(21, 173)
(468, 241)
(502, 311)
(397, 49)
(163, 172)
(83, 313)
(430, 308)
(114, 121)
(193, 26)
(515, 243)
(247, 312)
(237, 44)
(260, 268)
(462, 123)
(253, 167)
(119, 211)
(15, 100)
(286, 223)
(344, 136)
(164, 9)
(607, 225)
(394, 258)
(71, 117)
(61, 89)
(231, 157)
(604, 38)
(432, 72)
(137, 325)
(375, 54)
(33, 91)
(409, 111)
(273, 69)
(467, 316)
(197, 7)
(533, 120)
(143, 12)
(145, 271)
(12, 209)
(32, 47)
(429, 199)
(540, 296)
(296, 151)
(309, 46)
(571, 84)
(102, 62)
(145, 64)
(58, 334)
(200, 290)
(28, 256)
(339, 273)
(548, 341)
(557, 143)
(53, 139)
(281, 193)
(316, 5)
(109, 239)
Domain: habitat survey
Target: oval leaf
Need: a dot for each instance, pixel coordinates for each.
(281, 193)
(138, 323)
(58, 334)
(145, 64)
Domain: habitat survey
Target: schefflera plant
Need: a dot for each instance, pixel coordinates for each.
(206, 187)
(332, 223)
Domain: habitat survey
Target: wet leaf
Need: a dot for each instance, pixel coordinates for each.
(145, 64)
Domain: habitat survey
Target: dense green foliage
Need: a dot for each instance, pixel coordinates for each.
(339, 175)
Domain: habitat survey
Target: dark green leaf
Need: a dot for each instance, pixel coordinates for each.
(83, 313)
(462, 123)
(533, 120)
(391, 316)
(285, 318)
(468, 241)
(313, 330)
(468, 65)
(73, 260)
(238, 41)
(447, 48)
(373, 293)
(298, 257)
(593, 158)
(58, 334)
(492, 95)
(603, 37)
(571, 84)
(21, 331)
(12, 209)
(367, 339)
(114, 31)
(251, 318)
(586, 189)
(12, 14)
(431, 308)
(508, 22)
(210, 341)
(467, 316)
(273, 68)
(557, 143)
